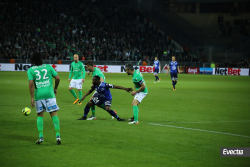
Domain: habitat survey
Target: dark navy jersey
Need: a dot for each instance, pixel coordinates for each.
(103, 90)
(173, 67)
(157, 64)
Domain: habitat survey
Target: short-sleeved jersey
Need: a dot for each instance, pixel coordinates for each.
(97, 72)
(78, 70)
(103, 90)
(138, 79)
(173, 67)
(156, 64)
(43, 81)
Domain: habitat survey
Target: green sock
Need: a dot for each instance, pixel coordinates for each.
(102, 106)
(40, 126)
(93, 110)
(56, 125)
(135, 111)
(80, 94)
(73, 93)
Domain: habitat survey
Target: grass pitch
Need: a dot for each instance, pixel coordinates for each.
(185, 127)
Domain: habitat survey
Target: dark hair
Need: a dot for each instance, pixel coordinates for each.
(129, 67)
(36, 59)
(173, 55)
(89, 63)
(97, 77)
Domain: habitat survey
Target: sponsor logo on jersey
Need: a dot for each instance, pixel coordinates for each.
(42, 84)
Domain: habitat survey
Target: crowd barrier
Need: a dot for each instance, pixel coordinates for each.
(219, 71)
(143, 69)
(66, 68)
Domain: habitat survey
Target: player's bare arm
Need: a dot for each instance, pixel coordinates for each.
(70, 73)
(139, 90)
(89, 92)
(179, 70)
(120, 87)
(57, 81)
(167, 71)
(83, 79)
(31, 88)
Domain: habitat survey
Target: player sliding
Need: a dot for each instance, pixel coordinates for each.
(140, 93)
(78, 71)
(102, 98)
(173, 66)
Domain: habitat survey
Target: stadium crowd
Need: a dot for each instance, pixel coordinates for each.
(238, 25)
(242, 63)
(93, 29)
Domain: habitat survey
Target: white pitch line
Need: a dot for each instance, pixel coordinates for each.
(209, 122)
(200, 130)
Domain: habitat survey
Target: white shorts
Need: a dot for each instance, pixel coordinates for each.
(48, 105)
(139, 96)
(76, 83)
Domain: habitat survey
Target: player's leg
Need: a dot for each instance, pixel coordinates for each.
(79, 88)
(155, 74)
(158, 75)
(71, 86)
(173, 83)
(52, 108)
(40, 111)
(86, 110)
(103, 107)
(93, 117)
(56, 126)
(173, 80)
(176, 78)
(107, 104)
(137, 100)
(135, 103)
(80, 96)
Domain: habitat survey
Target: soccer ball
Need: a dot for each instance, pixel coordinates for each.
(26, 111)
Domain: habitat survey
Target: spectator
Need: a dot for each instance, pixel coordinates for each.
(59, 34)
(12, 60)
(212, 65)
(144, 63)
(59, 61)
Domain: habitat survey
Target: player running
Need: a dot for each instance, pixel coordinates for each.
(102, 97)
(157, 69)
(95, 72)
(41, 88)
(78, 71)
(174, 68)
(140, 93)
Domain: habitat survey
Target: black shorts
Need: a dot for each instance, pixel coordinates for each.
(99, 100)
(156, 70)
(173, 76)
